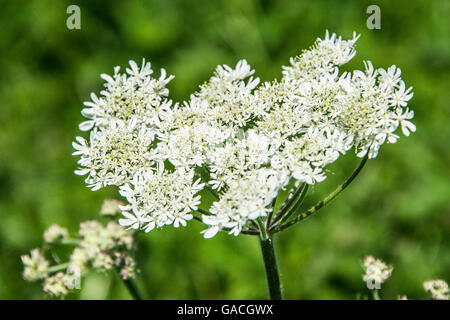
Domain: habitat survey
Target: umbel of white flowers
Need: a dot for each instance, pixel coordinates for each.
(240, 140)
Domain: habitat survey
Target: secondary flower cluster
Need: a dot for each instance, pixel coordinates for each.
(241, 140)
(99, 247)
(438, 289)
(378, 272)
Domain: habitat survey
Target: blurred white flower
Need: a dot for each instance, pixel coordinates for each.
(55, 233)
(35, 266)
(438, 289)
(98, 246)
(376, 270)
(111, 207)
(56, 285)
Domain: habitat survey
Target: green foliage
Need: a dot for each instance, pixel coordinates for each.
(398, 208)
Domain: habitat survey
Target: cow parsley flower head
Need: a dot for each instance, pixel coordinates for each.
(240, 140)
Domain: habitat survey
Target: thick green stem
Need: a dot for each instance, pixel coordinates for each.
(132, 289)
(270, 264)
(131, 286)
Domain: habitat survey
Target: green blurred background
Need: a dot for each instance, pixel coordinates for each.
(398, 209)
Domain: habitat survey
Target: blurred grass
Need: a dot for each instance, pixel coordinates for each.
(398, 209)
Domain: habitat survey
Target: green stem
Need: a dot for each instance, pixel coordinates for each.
(297, 204)
(71, 241)
(376, 295)
(325, 201)
(132, 289)
(59, 267)
(206, 172)
(271, 267)
(269, 218)
(205, 212)
(213, 192)
(289, 202)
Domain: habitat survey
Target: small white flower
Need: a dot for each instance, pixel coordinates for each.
(35, 266)
(55, 233)
(400, 96)
(403, 118)
(376, 270)
(56, 285)
(210, 232)
(130, 221)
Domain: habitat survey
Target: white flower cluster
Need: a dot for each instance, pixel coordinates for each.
(35, 266)
(376, 270)
(110, 207)
(438, 289)
(160, 198)
(58, 285)
(247, 198)
(241, 140)
(99, 247)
